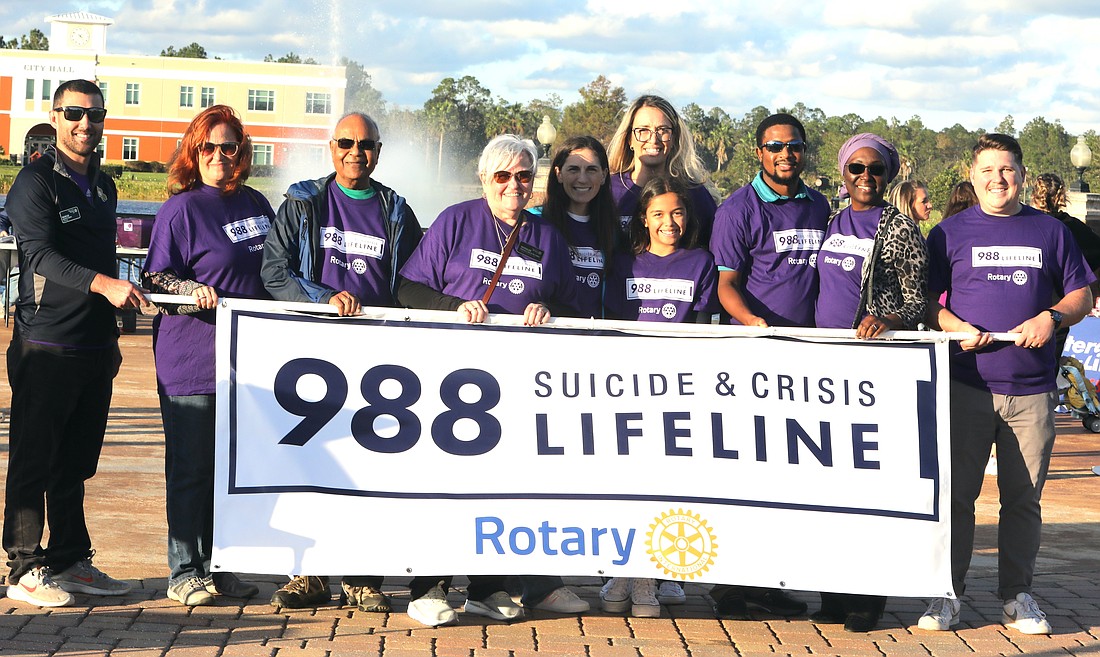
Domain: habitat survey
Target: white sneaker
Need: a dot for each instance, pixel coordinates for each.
(941, 616)
(190, 592)
(615, 595)
(83, 577)
(38, 588)
(563, 601)
(498, 606)
(1022, 613)
(432, 608)
(643, 599)
(670, 593)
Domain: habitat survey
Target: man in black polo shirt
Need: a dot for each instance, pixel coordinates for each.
(63, 354)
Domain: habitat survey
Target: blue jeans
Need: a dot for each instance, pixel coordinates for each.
(189, 483)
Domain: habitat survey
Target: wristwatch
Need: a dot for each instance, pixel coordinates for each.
(1056, 316)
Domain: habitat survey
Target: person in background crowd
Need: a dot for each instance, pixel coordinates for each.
(873, 269)
(1049, 196)
(911, 198)
(341, 240)
(63, 355)
(962, 197)
(452, 269)
(1002, 264)
(207, 242)
(579, 204)
(654, 140)
(766, 236)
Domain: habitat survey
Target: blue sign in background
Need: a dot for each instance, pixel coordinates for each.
(1084, 345)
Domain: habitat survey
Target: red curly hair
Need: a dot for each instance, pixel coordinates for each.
(183, 168)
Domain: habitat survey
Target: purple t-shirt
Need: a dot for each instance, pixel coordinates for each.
(999, 272)
(652, 288)
(461, 249)
(626, 195)
(215, 240)
(848, 243)
(772, 246)
(588, 265)
(353, 241)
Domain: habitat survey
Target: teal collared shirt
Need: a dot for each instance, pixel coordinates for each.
(769, 195)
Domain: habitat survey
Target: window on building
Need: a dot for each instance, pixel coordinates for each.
(129, 148)
(187, 96)
(103, 87)
(318, 103)
(261, 100)
(46, 90)
(30, 89)
(263, 154)
(207, 97)
(102, 148)
(133, 93)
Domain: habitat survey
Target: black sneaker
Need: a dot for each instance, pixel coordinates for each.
(774, 601)
(302, 591)
(731, 606)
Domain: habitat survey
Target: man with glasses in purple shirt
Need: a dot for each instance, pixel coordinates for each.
(340, 240)
(765, 241)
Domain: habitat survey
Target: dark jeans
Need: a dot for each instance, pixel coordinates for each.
(189, 483)
(59, 403)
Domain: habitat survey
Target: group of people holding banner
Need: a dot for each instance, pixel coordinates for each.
(631, 232)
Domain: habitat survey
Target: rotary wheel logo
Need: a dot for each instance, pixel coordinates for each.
(681, 543)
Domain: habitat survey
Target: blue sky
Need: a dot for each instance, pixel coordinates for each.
(948, 61)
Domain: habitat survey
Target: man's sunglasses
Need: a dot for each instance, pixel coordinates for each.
(522, 177)
(74, 113)
(363, 144)
(795, 146)
(228, 148)
(876, 169)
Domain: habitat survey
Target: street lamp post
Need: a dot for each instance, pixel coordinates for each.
(1081, 157)
(546, 134)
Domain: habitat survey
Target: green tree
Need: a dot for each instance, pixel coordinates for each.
(290, 58)
(1007, 126)
(192, 50)
(35, 41)
(359, 94)
(597, 113)
(1046, 148)
(457, 113)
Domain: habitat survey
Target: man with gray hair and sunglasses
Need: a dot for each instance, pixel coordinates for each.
(765, 241)
(340, 240)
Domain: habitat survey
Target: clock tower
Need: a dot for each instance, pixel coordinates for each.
(78, 32)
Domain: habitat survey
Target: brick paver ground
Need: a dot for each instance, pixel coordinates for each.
(126, 516)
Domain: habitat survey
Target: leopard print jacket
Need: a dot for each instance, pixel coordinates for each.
(894, 279)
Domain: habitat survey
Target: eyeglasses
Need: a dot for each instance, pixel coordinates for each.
(876, 169)
(363, 144)
(664, 133)
(522, 177)
(795, 146)
(75, 113)
(228, 148)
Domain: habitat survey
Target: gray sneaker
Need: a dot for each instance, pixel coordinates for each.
(190, 592)
(83, 577)
(37, 588)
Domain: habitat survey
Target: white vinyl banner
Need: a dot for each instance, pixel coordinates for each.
(393, 447)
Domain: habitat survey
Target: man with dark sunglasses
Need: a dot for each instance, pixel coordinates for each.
(63, 355)
(340, 240)
(765, 241)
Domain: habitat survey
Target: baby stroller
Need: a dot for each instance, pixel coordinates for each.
(1079, 393)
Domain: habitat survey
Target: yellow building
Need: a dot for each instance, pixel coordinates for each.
(288, 109)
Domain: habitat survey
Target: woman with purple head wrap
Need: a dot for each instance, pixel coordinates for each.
(873, 277)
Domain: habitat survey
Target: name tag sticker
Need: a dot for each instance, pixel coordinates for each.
(70, 214)
(530, 252)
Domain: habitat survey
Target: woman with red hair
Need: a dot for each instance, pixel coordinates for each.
(207, 242)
